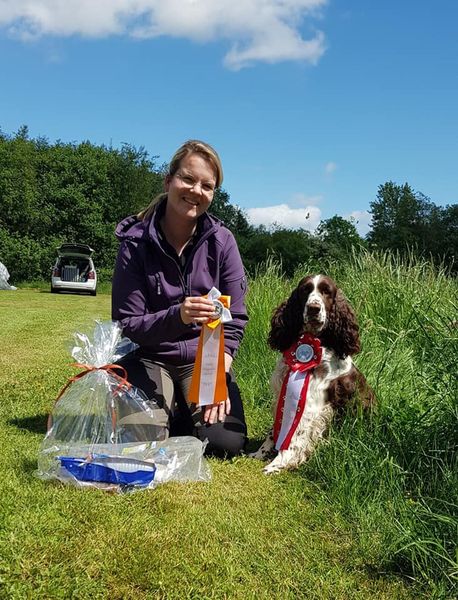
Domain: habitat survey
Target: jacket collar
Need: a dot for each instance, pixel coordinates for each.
(205, 224)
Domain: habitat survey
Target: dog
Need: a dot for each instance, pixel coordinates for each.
(317, 333)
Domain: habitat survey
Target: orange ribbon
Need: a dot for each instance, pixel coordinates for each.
(199, 376)
(110, 369)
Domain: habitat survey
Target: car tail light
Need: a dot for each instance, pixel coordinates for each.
(91, 275)
(56, 272)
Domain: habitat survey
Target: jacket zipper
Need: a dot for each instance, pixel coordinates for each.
(181, 274)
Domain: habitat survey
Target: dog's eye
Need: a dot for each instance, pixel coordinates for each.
(307, 291)
(325, 291)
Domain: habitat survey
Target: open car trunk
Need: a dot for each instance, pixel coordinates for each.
(74, 269)
(74, 262)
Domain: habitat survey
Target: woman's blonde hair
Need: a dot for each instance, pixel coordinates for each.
(189, 147)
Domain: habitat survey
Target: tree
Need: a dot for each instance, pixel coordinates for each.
(291, 247)
(444, 235)
(55, 193)
(406, 220)
(340, 235)
(400, 218)
(232, 216)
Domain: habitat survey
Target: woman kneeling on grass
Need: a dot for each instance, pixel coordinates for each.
(171, 255)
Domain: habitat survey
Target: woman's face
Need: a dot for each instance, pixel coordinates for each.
(191, 188)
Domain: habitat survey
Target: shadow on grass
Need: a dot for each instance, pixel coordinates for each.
(29, 467)
(253, 444)
(64, 293)
(35, 424)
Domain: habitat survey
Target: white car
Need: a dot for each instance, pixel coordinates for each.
(74, 270)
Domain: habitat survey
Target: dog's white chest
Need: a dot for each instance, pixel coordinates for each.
(330, 368)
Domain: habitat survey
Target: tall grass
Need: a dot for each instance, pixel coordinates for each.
(394, 475)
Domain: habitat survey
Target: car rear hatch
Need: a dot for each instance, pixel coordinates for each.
(81, 250)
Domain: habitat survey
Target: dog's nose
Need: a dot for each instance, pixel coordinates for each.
(313, 309)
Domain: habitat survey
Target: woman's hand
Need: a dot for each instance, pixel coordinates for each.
(196, 309)
(216, 412)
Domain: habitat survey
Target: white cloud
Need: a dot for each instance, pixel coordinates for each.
(303, 200)
(258, 30)
(362, 220)
(330, 167)
(285, 216)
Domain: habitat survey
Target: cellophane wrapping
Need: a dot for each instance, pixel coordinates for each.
(4, 276)
(105, 433)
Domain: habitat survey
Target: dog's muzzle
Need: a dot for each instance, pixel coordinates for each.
(315, 314)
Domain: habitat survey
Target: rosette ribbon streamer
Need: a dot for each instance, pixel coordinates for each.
(208, 383)
(302, 357)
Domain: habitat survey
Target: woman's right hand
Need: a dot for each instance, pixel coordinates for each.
(196, 309)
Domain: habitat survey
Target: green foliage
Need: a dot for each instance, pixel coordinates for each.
(50, 194)
(289, 247)
(340, 235)
(232, 216)
(404, 221)
(26, 256)
(56, 193)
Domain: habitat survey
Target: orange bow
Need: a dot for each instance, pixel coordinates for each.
(111, 369)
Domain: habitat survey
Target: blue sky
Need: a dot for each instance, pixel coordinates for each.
(312, 104)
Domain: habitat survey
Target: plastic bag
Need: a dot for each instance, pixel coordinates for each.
(4, 276)
(103, 432)
(125, 467)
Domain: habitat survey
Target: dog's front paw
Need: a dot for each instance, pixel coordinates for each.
(284, 461)
(272, 468)
(262, 454)
(265, 452)
(258, 455)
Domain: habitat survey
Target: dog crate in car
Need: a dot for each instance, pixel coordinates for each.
(74, 270)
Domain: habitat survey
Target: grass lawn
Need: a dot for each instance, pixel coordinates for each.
(243, 535)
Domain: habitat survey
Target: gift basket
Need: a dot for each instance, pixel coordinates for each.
(105, 433)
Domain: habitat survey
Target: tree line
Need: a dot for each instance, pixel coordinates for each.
(51, 193)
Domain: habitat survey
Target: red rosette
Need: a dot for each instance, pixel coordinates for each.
(304, 354)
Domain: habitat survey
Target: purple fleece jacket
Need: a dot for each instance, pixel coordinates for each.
(149, 285)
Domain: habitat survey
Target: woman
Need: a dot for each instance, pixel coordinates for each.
(171, 255)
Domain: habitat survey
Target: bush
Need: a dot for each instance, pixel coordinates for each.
(25, 258)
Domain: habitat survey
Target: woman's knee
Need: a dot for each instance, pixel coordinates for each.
(225, 439)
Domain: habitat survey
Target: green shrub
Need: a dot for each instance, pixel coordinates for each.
(25, 258)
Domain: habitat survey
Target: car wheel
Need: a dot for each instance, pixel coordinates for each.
(94, 293)
(53, 290)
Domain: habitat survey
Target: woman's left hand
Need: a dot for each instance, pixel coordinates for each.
(216, 412)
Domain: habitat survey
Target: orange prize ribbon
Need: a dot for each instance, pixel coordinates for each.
(208, 383)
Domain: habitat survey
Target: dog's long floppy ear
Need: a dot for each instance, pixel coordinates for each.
(342, 331)
(287, 322)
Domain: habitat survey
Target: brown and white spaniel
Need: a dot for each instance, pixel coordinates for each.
(317, 333)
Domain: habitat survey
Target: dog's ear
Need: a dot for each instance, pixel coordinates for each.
(342, 331)
(287, 322)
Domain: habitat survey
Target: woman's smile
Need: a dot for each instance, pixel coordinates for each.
(190, 190)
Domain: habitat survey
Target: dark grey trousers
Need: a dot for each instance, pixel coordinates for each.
(168, 385)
